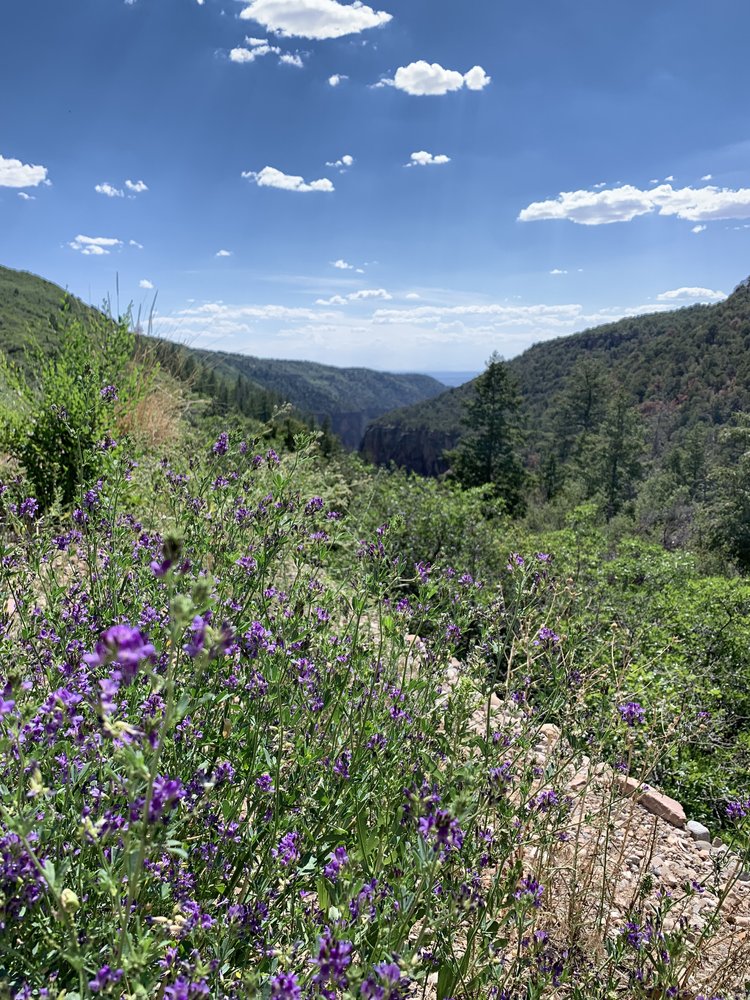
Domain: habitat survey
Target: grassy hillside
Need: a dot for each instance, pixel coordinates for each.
(32, 310)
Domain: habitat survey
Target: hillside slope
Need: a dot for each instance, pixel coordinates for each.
(32, 311)
(679, 368)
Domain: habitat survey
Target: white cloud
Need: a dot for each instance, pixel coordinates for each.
(240, 55)
(670, 178)
(145, 283)
(336, 79)
(94, 246)
(342, 265)
(557, 270)
(343, 163)
(15, 174)
(365, 293)
(136, 244)
(289, 59)
(26, 197)
(422, 78)
(314, 18)
(137, 187)
(601, 184)
(698, 229)
(109, 190)
(622, 204)
(425, 159)
(271, 177)
(707, 177)
(697, 294)
(412, 295)
(223, 253)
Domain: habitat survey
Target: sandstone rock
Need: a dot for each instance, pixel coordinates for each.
(698, 831)
(661, 805)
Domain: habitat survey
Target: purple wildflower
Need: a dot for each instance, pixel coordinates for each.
(221, 444)
(442, 829)
(109, 394)
(287, 851)
(124, 645)
(333, 959)
(285, 986)
(337, 860)
(632, 713)
(529, 891)
(104, 976)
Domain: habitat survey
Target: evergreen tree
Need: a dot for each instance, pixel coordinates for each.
(488, 453)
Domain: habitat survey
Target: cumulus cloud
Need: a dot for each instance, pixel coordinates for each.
(364, 293)
(425, 159)
(342, 265)
(259, 47)
(696, 294)
(707, 177)
(316, 19)
(422, 78)
(145, 283)
(336, 79)
(557, 270)
(343, 163)
(624, 203)
(26, 197)
(15, 174)
(94, 246)
(412, 296)
(137, 187)
(109, 190)
(271, 177)
(223, 253)
(136, 244)
(698, 229)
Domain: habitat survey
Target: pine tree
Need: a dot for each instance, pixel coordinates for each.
(488, 453)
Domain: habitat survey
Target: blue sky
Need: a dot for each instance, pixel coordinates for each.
(407, 185)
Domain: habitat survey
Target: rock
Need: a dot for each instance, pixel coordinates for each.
(698, 831)
(666, 808)
(744, 877)
(717, 842)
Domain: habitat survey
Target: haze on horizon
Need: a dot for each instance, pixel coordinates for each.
(406, 187)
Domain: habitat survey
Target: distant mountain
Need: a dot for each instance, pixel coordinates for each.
(348, 398)
(33, 310)
(679, 368)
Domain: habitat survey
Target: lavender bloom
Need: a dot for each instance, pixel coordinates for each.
(341, 767)
(167, 792)
(453, 633)
(124, 645)
(265, 783)
(333, 959)
(636, 936)
(28, 508)
(737, 810)
(109, 394)
(287, 851)
(221, 444)
(384, 987)
(313, 504)
(337, 860)
(285, 986)
(632, 713)
(442, 829)
(104, 977)
(529, 891)
(546, 637)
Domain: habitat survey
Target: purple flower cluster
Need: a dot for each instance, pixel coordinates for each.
(632, 713)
